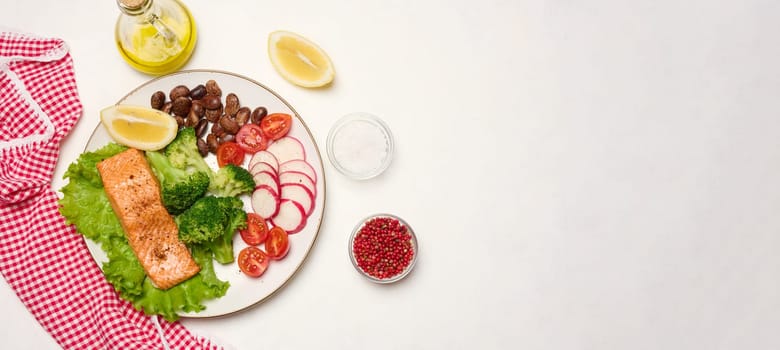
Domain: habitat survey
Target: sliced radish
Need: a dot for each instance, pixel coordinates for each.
(300, 166)
(291, 216)
(264, 157)
(286, 149)
(263, 166)
(269, 188)
(300, 194)
(265, 201)
(266, 178)
(297, 177)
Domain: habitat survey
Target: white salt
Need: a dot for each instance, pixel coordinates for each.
(360, 147)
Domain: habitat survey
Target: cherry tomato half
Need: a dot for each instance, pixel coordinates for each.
(230, 153)
(277, 244)
(276, 125)
(252, 261)
(250, 138)
(256, 230)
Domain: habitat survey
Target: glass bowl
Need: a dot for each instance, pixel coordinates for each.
(360, 146)
(393, 278)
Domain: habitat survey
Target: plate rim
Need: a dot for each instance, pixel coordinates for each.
(183, 315)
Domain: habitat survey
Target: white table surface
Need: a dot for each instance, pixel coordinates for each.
(581, 174)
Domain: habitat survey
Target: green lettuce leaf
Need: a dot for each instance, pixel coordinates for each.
(85, 205)
(186, 296)
(84, 202)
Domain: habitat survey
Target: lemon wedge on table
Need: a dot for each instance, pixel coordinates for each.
(299, 60)
(139, 127)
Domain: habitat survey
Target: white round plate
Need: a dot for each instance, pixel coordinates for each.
(244, 291)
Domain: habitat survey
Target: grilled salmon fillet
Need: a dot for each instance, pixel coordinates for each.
(134, 194)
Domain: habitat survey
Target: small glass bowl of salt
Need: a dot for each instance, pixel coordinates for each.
(360, 146)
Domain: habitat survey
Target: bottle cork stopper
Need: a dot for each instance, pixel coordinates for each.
(132, 4)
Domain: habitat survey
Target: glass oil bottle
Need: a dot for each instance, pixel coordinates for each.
(155, 36)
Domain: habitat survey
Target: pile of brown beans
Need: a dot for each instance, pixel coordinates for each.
(201, 107)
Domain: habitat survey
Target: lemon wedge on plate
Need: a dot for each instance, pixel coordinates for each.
(299, 60)
(139, 127)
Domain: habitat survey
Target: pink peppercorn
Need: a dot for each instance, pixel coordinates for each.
(383, 247)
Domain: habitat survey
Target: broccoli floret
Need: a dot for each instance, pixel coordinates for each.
(211, 223)
(228, 181)
(180, 189)
(230, 203)
(222, 247)
(183, 153)
(231, 181)
(204, 221)
(234, 208)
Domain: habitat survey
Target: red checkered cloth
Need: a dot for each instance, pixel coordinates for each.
(44, 260)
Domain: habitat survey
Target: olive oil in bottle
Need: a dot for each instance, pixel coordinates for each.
(155, 36)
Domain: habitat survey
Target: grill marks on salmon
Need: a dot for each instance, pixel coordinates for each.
(134, 194)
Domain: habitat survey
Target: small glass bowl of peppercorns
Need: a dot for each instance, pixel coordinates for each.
(383, 248)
